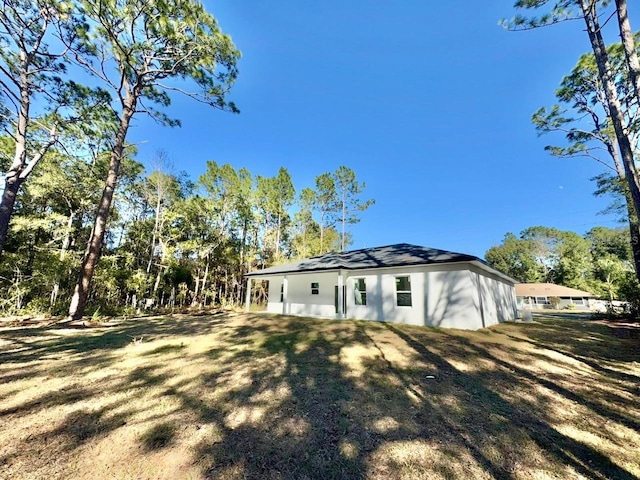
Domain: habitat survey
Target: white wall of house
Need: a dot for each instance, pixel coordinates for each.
(298, 296)
(451, 295)
(301, 300)
(274, 305)
(498, 298)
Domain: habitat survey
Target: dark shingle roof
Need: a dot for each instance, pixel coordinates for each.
(401, 254)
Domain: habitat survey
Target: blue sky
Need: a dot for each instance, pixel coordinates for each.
(429, 103)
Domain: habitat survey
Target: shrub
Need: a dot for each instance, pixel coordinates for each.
(555, 302)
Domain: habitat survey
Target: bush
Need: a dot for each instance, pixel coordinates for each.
(555, 302)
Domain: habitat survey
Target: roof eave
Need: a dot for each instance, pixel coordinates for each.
(476, 262)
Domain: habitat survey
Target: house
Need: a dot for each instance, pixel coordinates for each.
(541, 295)
(397, 283)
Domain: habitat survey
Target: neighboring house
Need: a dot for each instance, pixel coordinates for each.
(537, 295)
(398, 283)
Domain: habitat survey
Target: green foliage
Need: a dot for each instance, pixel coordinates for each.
(598, 262)
(558, 11)
(153, 40)
(337, 199)
(555, 302)
(515, 257)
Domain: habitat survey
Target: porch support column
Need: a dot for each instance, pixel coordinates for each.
(248, 295)
(340, 294)
(285, 292)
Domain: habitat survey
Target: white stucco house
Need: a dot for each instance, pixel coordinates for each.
(397, 283)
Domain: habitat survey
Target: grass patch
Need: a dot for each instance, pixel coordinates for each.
(255, 396)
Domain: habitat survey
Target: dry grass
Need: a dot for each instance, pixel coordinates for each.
(253, 396)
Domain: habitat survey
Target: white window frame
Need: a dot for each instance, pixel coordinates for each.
(408, 277)
(358, 294)
(544, 301)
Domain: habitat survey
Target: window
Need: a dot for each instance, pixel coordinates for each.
(403, 291)
(360, 291)
(315, 288)
(281, 292)
(542, 301)
(577, 301)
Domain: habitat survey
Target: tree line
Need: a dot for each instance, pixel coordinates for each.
(599, 262)
(170, 241)
(81, 224)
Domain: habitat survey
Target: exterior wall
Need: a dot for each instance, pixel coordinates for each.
(300, 301)
(273, 300)
(498, 298)
(453, 296)
(298, 297)
(381, 296)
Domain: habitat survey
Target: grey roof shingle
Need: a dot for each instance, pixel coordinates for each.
(401, 254)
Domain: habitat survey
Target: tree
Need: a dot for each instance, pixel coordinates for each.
(587, 128)
(31, 75)
(628, 43)
(545, 244)
(515, 257)
(611, 270)
(229, 203)
(337, 200)
(575, 263)
(609, 241)
(587, 10)
(275, 196)
(544, 254)
(327, 205)
(304, 224)
(142, 50)
(162, 190)
(347, 191)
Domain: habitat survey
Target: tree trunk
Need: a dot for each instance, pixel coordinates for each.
(156, 284)
(321, 233)
(278, 236)
(94, 245)
(196, 293)
(626, 35)
(634, 231)
(13, 179)
(155, 234)
(344, 217)
(203, 302)
(9, 195)
(66, 242)
(20, 168)
(632, 216)
(613, 102)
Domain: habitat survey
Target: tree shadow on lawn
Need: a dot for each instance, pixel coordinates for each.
(599, 364)
(65, 396)
(45, 352)
(579, 386)
(289, 398)
(30, 344)
(566, 450)
(599, 341)
(332, 424)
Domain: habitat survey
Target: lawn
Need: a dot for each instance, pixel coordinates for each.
(267, 397)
